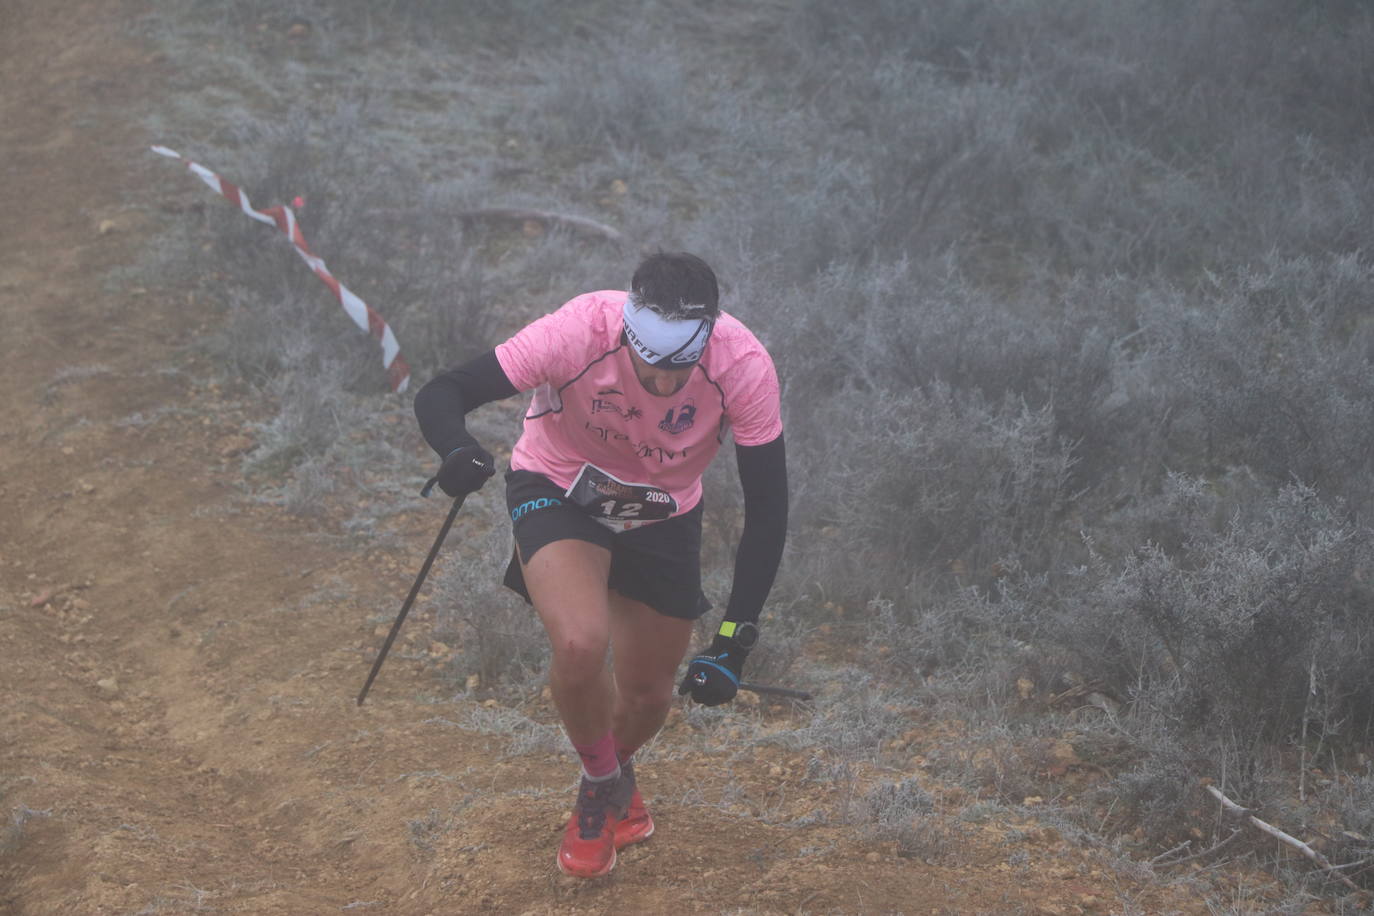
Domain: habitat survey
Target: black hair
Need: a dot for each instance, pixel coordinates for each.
(677, 285)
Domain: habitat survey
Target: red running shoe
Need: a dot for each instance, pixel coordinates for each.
(634, 825)
(588, 847)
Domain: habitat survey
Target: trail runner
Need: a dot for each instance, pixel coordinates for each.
(633, 394)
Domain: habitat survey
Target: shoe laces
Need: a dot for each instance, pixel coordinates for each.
(592, 801)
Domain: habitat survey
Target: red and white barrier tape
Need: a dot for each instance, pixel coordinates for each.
(398, 372)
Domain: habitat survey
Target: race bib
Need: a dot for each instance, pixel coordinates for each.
(616, 504)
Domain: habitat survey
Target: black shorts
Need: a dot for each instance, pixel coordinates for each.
(658, 564)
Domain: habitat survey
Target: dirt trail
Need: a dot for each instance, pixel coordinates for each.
(179, 733)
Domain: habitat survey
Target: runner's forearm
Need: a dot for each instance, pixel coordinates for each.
(763, 477)
(442, 404)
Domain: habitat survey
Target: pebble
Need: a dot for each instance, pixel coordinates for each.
(233, 445)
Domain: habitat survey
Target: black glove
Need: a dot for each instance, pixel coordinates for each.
(465, 470)
(713, 676)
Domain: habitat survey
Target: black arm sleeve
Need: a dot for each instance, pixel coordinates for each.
(763, 477)
(442, 404)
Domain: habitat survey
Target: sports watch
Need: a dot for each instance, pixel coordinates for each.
(744, 634)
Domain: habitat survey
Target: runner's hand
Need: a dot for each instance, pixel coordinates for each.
(465, 470)
(713, 676)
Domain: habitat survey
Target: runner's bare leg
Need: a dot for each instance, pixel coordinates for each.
(649, 646)
(567, 585)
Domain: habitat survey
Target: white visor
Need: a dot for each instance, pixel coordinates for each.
(665, 343)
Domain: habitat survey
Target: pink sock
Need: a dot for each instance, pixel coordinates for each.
(598, 758)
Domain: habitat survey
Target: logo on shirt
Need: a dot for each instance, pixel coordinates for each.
(679, 419)
(601, 405)
(646, 451)
(642, 450)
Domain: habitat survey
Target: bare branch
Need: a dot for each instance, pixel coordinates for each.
(1279, 835)
(1179, 848)
(1197, 855)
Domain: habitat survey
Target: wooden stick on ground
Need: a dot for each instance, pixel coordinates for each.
(1182, 847)
(1278, 834)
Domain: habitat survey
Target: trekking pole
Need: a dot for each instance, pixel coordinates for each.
(775, 691)
(414, 589)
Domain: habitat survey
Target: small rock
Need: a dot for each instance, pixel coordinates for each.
(775, 770)
(230, 446)
(619, 187)
(873, 857)
(107, 226)
(108, 685)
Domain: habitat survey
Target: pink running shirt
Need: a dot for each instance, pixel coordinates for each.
(589, 407)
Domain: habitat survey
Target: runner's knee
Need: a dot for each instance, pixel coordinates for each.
(579, 657)
(644, 697)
